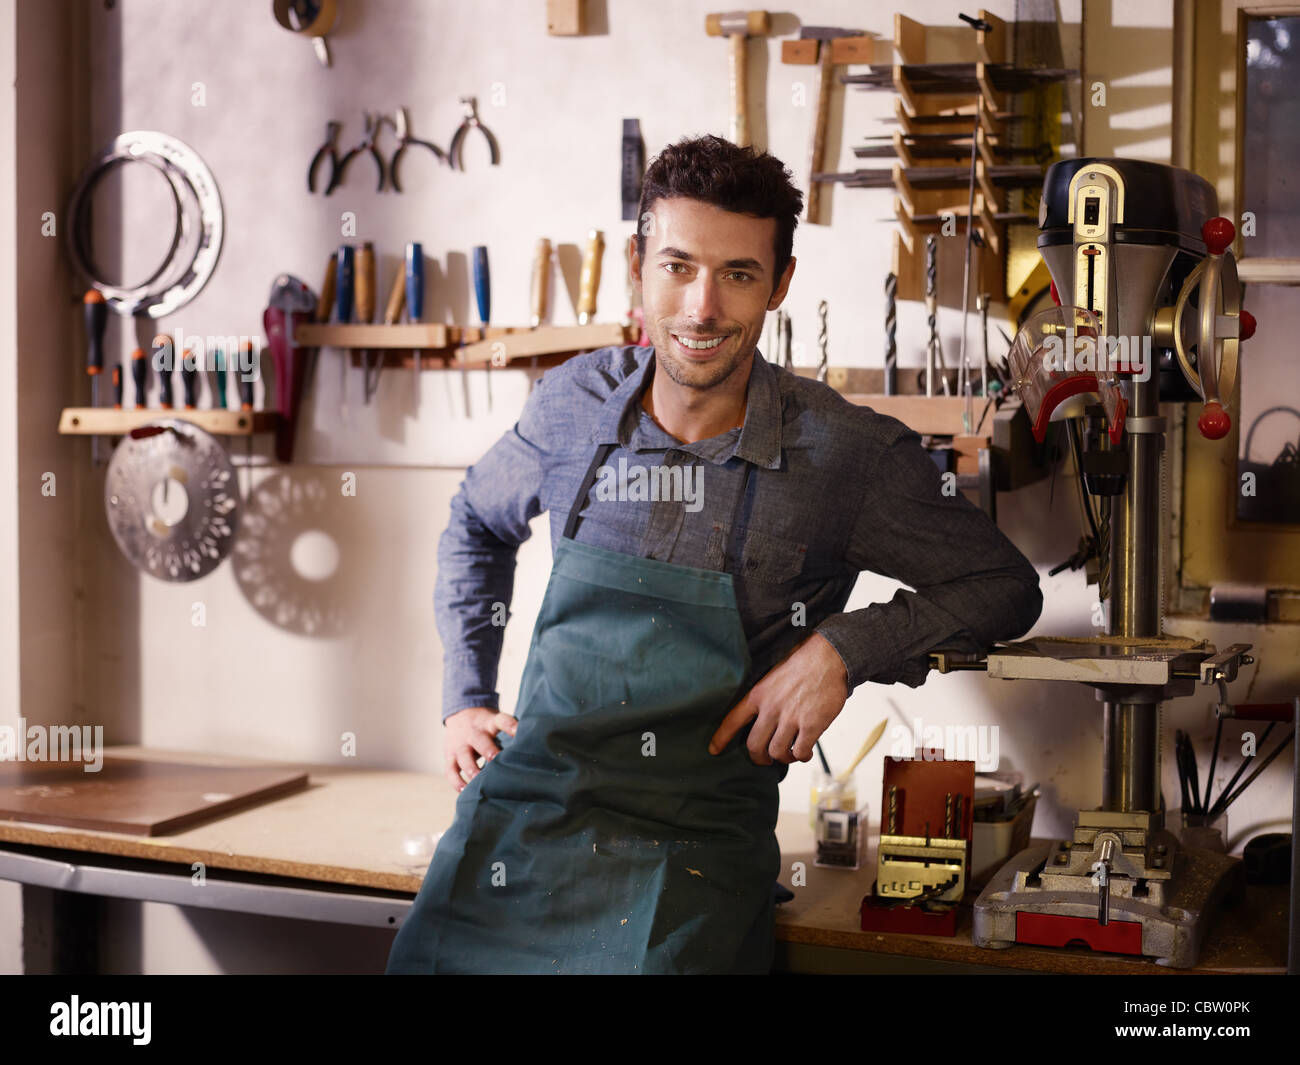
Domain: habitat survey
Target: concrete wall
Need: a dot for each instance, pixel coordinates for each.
(105, 644)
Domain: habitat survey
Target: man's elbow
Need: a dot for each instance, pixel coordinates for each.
(1026, 604)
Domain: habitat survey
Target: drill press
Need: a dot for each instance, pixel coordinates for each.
(1144, 275)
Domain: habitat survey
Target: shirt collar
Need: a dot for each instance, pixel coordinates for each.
(758, 441)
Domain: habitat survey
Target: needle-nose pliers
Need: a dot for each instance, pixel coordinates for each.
(404, 138)
(374, 123)
(329, 150)
(471, 121)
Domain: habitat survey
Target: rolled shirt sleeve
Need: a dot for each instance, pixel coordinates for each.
(476, 556)
(971, 586)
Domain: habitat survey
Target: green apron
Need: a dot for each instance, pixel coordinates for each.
(604, 838)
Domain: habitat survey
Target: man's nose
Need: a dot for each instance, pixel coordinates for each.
(703, 301)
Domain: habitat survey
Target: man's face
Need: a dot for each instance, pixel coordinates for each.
(706, 284)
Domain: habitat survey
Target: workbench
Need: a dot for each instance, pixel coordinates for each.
(334, 853)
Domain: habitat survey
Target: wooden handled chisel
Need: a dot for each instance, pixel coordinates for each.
(541, 281)
(589, 282)
(366, 283)
(415, 296)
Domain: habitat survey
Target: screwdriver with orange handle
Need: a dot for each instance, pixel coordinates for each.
(139, 375)
(190, 376)
(95, 311)
(162, 348)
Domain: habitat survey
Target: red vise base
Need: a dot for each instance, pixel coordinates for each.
(910, 920)
(1055, 930)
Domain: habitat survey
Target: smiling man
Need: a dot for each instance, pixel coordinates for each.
(687, 650)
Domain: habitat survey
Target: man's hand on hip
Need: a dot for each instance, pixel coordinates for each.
(471, 733)
(790, 707)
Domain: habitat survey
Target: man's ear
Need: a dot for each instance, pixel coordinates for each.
(633, 262)
(782, 286)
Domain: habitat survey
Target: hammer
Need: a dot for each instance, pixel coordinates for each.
(816, 44)
(739, 26)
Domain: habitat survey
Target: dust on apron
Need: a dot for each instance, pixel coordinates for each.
(604, 838)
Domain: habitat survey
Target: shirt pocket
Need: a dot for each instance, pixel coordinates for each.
(772, 559)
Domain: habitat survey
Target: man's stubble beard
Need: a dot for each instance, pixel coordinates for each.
(697, 375)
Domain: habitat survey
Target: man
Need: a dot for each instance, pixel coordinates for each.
(710, 513)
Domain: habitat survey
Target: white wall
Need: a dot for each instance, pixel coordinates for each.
(249, 682)
(10, 894)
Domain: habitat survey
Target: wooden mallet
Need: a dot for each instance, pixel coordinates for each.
(739, 26)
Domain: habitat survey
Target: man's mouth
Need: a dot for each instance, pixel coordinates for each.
(695, 343)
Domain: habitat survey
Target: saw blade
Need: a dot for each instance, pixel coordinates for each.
(171, 501)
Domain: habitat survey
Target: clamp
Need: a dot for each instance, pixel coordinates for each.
(329, 150)
(402, 127)
(471, 121)
(374, 123)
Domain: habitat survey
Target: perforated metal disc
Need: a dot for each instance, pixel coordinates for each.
(172, 500)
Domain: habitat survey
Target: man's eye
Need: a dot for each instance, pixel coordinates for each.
(673, 267)
(740, 274)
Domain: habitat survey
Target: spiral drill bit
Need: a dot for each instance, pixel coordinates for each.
(1103, 552)
(821, 341)
(891, 330)
(931, 308)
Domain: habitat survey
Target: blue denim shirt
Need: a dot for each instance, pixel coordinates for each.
(838, 489)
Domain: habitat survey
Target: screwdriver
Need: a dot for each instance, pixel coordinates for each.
(162, 358)
(139, 376)
(95, 312)
(218, 378)
(415, 295)
(117, 387)
(190, 377)
(246, 364)
(365, 282)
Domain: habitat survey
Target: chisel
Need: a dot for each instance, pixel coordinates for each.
(324, 306)
(95, 311)
(589, 282)
(483, 295)
(344, 275)
(392, 314)
(365, 282)
(541, 281)
(415, 296)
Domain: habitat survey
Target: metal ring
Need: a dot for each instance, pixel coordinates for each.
(187, 174)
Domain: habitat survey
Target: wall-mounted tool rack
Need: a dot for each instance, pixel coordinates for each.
(444, 347)
(110, 421)
(915, 43)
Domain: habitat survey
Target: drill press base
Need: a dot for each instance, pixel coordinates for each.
(1173, 920)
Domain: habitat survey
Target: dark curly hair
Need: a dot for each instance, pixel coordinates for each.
(720, 173)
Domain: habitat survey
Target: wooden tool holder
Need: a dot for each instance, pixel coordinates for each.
(918, 43)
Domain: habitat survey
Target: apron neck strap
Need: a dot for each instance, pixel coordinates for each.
(739, 518)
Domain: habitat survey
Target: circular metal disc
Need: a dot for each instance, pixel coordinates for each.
(199, 211)
(171, 500)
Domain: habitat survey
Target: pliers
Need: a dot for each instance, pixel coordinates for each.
(374, 123)
(402, 127)
(471, 121)
(329, 150)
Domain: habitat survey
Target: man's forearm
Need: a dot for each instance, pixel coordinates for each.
(476, 571)
(890, 642)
